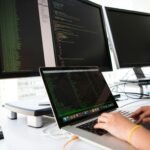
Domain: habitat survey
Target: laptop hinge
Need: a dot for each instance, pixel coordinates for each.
(90, 117)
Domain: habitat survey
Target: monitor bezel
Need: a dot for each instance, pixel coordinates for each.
(103, 28)
(7, 75)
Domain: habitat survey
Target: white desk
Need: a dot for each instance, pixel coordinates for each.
(18, 136)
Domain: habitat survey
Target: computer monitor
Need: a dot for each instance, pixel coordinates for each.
(131, 36)
(21, 49)
(78, 34)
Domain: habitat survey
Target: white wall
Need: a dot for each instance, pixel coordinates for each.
(115, 3)
(139, 5)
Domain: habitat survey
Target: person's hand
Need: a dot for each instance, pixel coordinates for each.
(142, 115)
(115, 123)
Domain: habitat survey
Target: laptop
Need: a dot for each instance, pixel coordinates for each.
(78, 95)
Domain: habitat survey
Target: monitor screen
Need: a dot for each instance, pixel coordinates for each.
(21, 50)
(78, 32)
(131, 36)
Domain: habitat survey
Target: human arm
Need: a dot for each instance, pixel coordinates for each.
(120, 127)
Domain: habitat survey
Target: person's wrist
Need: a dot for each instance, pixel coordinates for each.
(128, 128)
(132, 131)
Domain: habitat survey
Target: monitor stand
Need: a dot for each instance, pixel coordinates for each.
(139, 73)
(141, 79)
(31, 109)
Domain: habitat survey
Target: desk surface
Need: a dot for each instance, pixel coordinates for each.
(18, 136)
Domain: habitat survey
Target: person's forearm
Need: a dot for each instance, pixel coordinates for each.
(141, 139)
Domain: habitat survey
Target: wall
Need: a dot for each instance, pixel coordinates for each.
(139, 5)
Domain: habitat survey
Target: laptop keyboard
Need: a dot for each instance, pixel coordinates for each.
(89, 126)
(126, 114)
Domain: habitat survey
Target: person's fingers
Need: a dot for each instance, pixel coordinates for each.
(100, 126)
(146, 120)
(145, 114)
(105, 114)
(136, 113)
(102, 119)
(138, 121)
(142, 116)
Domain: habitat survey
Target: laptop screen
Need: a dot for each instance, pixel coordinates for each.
(77, 92)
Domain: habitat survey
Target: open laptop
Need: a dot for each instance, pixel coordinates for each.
(78, 95)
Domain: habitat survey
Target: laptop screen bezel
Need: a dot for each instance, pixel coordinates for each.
(59, 121)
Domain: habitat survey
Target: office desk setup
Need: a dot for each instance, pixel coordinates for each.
(51, 33)
(19, 136)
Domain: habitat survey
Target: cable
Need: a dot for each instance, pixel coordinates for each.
(129, 103)
(54, 132)
(73, 138)
(117, 88)
(138, 95)
(126, 74)
(117, 85)
(132, 93)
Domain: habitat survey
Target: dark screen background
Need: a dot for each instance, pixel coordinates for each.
(78, 34)
(75, 92)
(20, 36)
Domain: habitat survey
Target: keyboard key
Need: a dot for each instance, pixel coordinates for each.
(90, 128)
